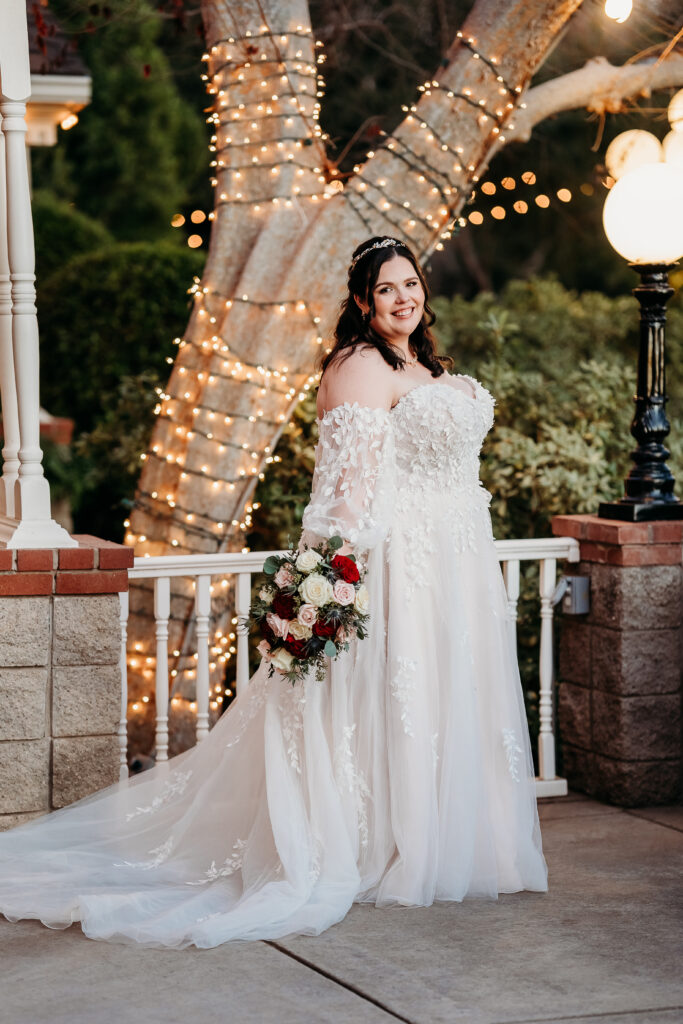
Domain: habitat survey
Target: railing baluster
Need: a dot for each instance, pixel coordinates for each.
(545, 550)
(202, 607)
(511, 577)
(162, 611)
(546, 738)
(242, 602)
(123, 665)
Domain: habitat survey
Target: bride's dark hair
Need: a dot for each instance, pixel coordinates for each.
(353, 327)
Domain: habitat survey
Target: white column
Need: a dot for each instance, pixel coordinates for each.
(30, 524)
(546, 739)
(8, 388)
(202, 604)
(162, 611)
(123, 665)
(242, 602)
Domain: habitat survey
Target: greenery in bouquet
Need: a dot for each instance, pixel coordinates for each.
(312, 605)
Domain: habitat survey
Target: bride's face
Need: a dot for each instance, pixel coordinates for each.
(399, 299)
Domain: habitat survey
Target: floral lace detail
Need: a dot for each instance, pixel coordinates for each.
(230, 865)
(418, 544)
(439, 431)
(350, 776)
(159, 854)
(512, 753)
(291, 707)
(403, 686)
(316, 860)
(173, 786)
(353, 478)
(256, 698)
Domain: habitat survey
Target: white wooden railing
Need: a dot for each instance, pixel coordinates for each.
(201, 569)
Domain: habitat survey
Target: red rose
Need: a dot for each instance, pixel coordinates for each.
(283, 605)
(324, 628)
(266, 631)
(295, 647)
(346, 567)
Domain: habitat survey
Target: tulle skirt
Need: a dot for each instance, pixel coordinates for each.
(405, 777)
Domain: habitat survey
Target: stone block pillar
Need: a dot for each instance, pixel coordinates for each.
(60, 681)
(619, 688)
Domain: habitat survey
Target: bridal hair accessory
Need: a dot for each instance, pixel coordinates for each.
(313, 603)
(378, 245)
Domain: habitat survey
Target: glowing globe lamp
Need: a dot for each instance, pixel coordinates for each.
(643, 215)
(643, 219)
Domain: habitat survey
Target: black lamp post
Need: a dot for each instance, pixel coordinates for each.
(640, 225)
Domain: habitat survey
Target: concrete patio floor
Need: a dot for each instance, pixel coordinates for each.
(603, 946)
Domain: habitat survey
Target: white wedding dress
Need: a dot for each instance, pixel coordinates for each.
(405, 777)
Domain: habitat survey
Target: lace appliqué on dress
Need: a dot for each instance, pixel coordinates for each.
(256, 698)
(512, 753)
(174, 786)
(230, 865)
(348, 775)
(402, 687)
(159, 854)
(291, 706)
(354, 475)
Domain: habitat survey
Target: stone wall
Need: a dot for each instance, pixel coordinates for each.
(60, 682)
(619, 689)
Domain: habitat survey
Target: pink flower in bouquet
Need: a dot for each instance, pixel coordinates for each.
(308, 613)
(283, 577)
(264, 648)
(279, 626)
(343, 634)
(344, 593)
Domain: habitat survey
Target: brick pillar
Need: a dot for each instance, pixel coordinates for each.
(619, 699)
(60, 682)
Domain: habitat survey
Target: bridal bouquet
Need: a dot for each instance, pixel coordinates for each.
(312, 605)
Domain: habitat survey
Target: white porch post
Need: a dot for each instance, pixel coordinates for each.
(8, 388)
(30, 525)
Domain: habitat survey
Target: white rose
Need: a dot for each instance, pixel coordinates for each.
(307, 615)
(299, 631)
(266, 595)
(362, 602)
(316, 590)
(282, 659)
(307, 560)
(344, 593)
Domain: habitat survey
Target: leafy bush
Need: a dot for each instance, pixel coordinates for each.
(110, 454)
(61, 232)
(108, 315)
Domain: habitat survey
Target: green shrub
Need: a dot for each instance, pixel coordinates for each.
(108, 315)
(61, 233)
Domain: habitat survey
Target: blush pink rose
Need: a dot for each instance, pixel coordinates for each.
(308, 614)
(344, 634)
(344, 593)
(279, 626)
(283, 577)
(264, 649)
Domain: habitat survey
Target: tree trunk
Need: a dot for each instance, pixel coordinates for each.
(276, 268)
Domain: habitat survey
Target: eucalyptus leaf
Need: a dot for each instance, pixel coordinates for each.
(330, 649)
(270, 565)
(334, 543)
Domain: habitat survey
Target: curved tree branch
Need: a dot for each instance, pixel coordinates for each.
(598, 86)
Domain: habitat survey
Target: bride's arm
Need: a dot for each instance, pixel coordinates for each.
(352, 483)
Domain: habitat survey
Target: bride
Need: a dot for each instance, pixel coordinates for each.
(406, 776)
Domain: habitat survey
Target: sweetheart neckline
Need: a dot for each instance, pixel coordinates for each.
(418, 387)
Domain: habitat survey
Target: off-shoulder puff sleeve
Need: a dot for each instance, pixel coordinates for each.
(353, 481)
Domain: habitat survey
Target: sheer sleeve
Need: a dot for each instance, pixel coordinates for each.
(353, 480)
